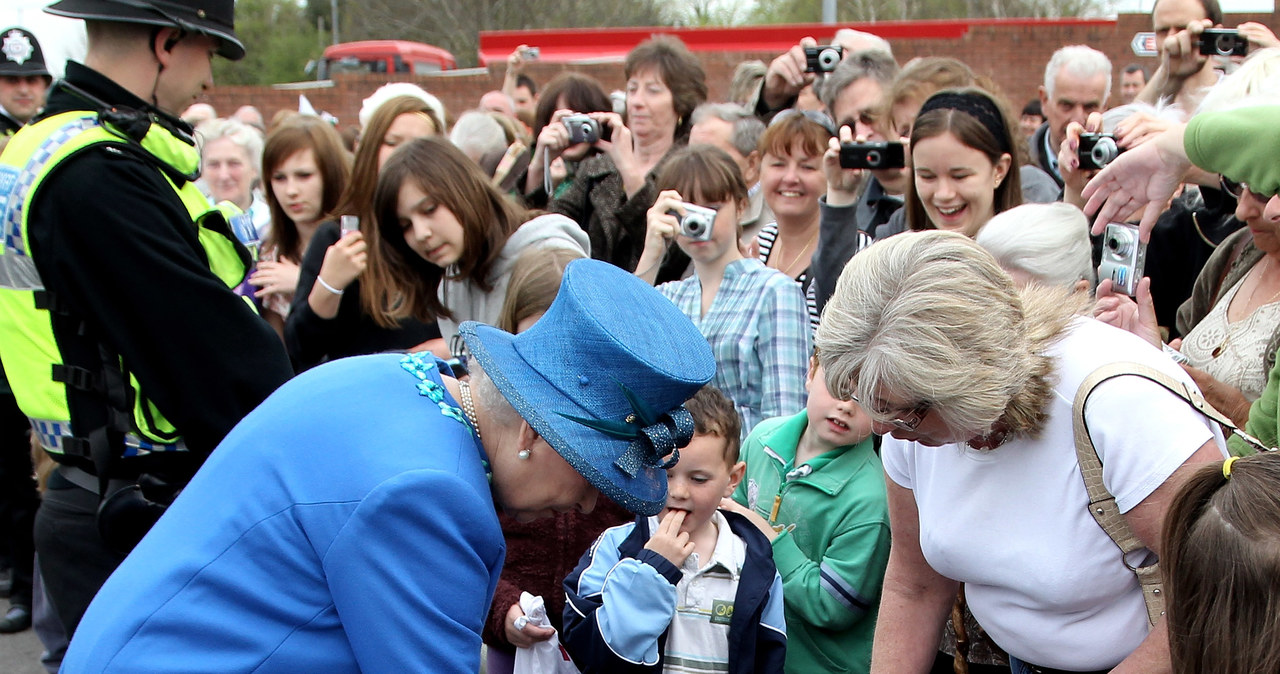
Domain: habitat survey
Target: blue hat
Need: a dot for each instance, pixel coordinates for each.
(603, 377)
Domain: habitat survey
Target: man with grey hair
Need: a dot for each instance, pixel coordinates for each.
(733, 128)
(1077, 81)
(851, 94)
(853, 90)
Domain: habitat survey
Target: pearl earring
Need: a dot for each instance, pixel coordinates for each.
(524, 454)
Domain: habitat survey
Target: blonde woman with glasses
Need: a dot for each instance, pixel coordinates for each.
(974, 380)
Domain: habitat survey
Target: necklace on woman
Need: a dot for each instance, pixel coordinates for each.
(469, 407)
(998, 435)
(787, 269)
(1233, 328)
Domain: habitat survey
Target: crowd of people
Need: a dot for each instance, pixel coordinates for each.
(835, 375)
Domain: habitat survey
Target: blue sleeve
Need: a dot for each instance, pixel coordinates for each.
(617, 609)
(783, 349)
(412, 574)
(771, 641)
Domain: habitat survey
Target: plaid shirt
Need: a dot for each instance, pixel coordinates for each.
(758, 327)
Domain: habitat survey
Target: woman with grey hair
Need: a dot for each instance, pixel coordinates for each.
(975, 380)
(1042, 243)
(230, 163)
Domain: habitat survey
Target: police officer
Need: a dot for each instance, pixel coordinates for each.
(24, 78)
(124, 342)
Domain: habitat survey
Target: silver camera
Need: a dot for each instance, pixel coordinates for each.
(697, 223)
(583, 129)
(1123, 257)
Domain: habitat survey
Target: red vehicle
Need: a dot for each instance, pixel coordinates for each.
(384, 56)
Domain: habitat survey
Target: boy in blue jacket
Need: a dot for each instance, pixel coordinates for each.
(693, 589)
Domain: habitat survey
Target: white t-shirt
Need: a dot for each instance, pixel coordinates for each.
(1012, 523)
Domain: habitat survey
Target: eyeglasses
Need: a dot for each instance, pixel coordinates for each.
(906, 419)
(1238, 190)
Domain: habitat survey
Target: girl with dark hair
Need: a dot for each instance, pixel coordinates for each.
(962, 150)
(306, 170)
(567, 94)
(448, 237)
(332, 313)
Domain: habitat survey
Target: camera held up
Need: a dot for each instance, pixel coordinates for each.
(1223, 42)
(697, 223)
(1124, 257)
(1097, 150)
(879, 155)
(584, 129)
(822, 59)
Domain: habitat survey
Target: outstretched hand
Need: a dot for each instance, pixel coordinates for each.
(1142, 179)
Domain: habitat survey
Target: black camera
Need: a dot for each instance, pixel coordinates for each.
(697, 223)
(1223, 42)
(583, 129)
(890, 155)
(822, 59)
(1097, 150)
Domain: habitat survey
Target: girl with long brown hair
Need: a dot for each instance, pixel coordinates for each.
(331, 315)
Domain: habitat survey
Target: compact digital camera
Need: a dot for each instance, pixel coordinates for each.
(531, 53)
(822, 59)
(1097, 150)
(1223, 42)
(697, 222)
(880, 155)
(583, 129)
(1123, 257)
(349, 223)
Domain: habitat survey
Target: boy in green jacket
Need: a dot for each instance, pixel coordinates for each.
(815, 487)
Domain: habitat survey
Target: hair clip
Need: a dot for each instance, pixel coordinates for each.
(1226, 467)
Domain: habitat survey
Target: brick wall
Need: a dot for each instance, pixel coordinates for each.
(1013, 56)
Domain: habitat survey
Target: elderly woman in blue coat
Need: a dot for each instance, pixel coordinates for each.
(349, 523)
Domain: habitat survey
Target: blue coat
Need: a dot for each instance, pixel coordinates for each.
(757, 634)
(346, 525)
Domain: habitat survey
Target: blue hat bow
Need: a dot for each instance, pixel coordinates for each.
(652, 436)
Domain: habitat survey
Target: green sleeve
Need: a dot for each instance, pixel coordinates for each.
(842, 587)
(1262, 422)
(1239, 144)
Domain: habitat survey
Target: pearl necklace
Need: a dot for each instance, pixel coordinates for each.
(468, 407)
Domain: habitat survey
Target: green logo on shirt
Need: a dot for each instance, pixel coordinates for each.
(721, 612)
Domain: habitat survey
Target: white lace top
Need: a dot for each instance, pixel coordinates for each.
(1240, 346)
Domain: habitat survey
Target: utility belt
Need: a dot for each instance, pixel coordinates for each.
(127, 508)
(56, 438)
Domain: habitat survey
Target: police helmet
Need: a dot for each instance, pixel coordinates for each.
(215, 18)
(20, 54)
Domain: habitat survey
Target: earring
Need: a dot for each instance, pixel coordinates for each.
(524, 454)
